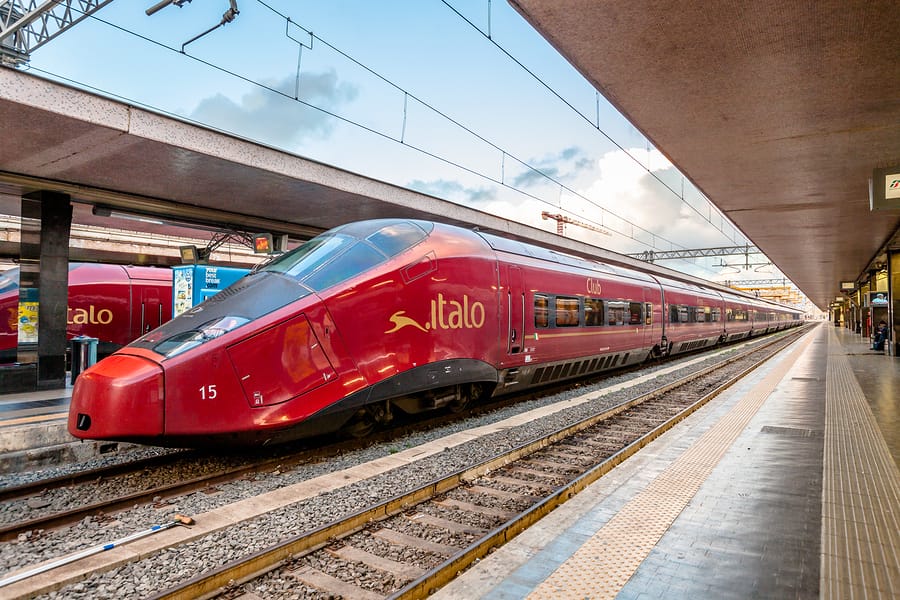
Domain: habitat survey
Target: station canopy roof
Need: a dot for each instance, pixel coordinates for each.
(779, 111)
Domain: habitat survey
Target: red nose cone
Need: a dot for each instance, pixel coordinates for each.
(119, 398)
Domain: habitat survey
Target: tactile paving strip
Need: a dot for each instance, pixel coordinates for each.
(860, 493)
(602, 566)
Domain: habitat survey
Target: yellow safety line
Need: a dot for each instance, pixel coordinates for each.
(34, 419)
(860, 492)
(605, 563)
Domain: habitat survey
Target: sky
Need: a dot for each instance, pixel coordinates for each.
(460, 99)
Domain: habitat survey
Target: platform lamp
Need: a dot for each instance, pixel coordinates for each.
(189, 254)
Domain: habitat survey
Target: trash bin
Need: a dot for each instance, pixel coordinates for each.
(84, 354)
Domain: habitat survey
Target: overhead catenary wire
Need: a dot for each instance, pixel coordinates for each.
(654, 238)
(504, 153)
(595, 125)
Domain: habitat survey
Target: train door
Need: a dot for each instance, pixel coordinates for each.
(515, 309)
(150, 309)
(649, 327)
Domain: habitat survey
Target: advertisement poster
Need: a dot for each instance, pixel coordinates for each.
(28, 322)
(182, 289)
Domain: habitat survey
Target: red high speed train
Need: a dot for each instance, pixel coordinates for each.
(112, 303)
(386, 315)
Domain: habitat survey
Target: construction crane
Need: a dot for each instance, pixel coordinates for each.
(561, 220)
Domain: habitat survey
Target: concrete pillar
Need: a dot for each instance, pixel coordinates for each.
(43, 278)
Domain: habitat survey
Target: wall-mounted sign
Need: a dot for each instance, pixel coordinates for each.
(878, 299)
(884, 189)
(848, 285)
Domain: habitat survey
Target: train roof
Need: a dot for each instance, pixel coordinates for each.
(502, 244)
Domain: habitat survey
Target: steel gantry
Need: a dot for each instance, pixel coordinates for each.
(652, 255)
(26, 25)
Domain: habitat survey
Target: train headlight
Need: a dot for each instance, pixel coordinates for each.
(181, 342)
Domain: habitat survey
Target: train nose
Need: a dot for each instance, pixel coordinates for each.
(120, 397)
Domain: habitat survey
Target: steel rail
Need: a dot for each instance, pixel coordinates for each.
(245, 569)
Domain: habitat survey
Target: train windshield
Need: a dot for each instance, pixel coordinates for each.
(9, 280)
(189, 339)
(345, 252)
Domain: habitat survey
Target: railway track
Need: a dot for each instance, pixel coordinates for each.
(102, 491)
(424, 561)
(415, 543)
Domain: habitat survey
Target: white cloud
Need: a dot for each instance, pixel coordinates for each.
(274, 117)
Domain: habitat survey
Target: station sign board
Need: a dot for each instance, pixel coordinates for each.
(884, 189)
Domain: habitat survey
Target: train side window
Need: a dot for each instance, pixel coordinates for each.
(354, 261)
(634, 313)
(397, 237)
(566, 311)
(702, 314)
(681, 313)
(615, 312)
(541, 310)
(648, 313)
(716, 315)
(593, 312)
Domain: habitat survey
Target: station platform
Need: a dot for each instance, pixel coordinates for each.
(785, 486)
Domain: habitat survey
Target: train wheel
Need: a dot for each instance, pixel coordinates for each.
(361, 425)
(465, 395)
(367, 419)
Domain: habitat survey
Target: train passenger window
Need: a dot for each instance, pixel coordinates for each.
(354, 261)
(682, 314)
(305, 259)
(648, 313)
(566, 312)
(397, 237)
(541, 311)
(593, 312)
(634, 313)
(716, 315)
(615, 312)
(702, 314)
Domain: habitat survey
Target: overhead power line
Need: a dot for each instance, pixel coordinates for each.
(505, 154)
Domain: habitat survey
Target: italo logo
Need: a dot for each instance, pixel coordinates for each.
(895, 184)
(89, 316)
(445, 314)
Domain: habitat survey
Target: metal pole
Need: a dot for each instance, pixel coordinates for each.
(179, 520)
